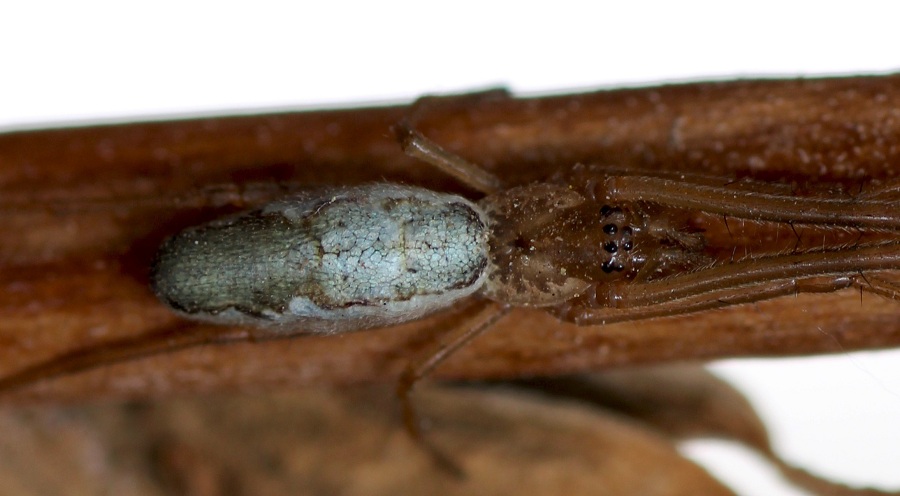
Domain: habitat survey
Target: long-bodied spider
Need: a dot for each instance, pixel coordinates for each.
(591, 245)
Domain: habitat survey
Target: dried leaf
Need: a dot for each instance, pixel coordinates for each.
(85, 208)
(326, 443)
(686, 401)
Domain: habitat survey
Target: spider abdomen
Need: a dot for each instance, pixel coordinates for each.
(351, 258)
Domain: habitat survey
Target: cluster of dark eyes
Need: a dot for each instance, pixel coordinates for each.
(619, 239)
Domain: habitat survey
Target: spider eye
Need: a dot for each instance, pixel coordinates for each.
(609, 267)
(610, 229)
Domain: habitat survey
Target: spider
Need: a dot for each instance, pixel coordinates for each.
(591, 245)
(588, 246)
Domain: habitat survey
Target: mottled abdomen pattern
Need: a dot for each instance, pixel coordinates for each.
(344, 259)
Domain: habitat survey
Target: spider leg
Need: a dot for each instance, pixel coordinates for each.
(888, 190)
(740, 282)
(750, 204)
(433, 356)
(586, 315)
(418, 146)
(878, 284)
(165, 340)
(757, 271)
(210, 196)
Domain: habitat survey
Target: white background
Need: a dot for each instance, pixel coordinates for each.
(65, 61)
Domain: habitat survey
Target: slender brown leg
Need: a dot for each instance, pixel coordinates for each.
(888, 190)
(755, 205)
(419, 368)
(211, 196)
(418, 146)
(585, 315)
(173, 338)
(757, 271)
(876, 283)
(741, 282)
